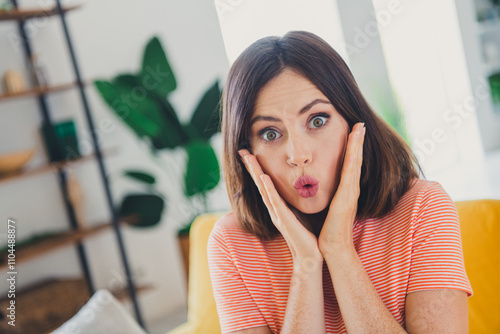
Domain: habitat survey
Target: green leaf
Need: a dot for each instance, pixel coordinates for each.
(144, 102)
(140, 176)
(206, 115)
(202, 171)
(494, 81)
(117, 96)
(147, 208)
(173, 133)
(156, 73)
(145, 113)
(192, 132)
(158, 109)
(128, 80)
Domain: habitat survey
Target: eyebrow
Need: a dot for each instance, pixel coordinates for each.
(303, 110)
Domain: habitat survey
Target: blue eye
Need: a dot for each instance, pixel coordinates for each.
(269, 134)
(317, 121)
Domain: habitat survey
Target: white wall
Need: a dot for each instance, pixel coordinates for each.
(430, 75)
(109, 37)
(244, 22)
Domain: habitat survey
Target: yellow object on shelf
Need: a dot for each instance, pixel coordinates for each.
(13, 82)
(13, 162)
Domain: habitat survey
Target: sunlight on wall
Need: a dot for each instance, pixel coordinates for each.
(426, 64)
(245, 21)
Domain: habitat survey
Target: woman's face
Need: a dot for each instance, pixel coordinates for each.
(296, 131)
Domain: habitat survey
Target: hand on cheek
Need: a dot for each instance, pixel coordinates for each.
(337, 229)
(302, 243)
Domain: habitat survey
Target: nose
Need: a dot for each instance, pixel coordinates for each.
(299, 154)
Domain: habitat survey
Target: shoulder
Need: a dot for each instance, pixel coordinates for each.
(228, 229)
(420, 186)
(432, 195)
(227, 222)
(424, 192)
(424, 198)
(228, 237)
(431, 205)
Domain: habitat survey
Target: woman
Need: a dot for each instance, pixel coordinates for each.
(332, 230)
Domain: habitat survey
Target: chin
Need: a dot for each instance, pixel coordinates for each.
(315, 205)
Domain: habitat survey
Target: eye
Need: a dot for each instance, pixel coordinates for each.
(269, 134)
(318, 121)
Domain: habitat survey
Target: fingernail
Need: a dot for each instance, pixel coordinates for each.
(240, 153)
(362, 126)
(246, 159)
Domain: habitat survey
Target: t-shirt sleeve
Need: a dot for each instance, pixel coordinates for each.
(236, 308)
(437, 260)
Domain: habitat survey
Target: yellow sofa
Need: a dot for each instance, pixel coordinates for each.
(480, 228)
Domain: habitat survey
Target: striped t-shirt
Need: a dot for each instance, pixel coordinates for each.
(415, 247)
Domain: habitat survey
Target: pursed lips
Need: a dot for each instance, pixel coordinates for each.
(306, 186)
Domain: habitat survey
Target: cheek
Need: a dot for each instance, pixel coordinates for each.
(333, 160)
(269, 164)
(272, 166)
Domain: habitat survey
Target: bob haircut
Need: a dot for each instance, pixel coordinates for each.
(389, 166)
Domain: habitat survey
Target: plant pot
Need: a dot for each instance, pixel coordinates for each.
(183, 240)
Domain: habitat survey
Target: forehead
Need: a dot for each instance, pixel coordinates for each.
(289, 91)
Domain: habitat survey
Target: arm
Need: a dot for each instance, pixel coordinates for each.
(305, 311)
(305, 305)
(360, 305)
(437, 251)
(437, 311)
(426, 311)
(436, 299)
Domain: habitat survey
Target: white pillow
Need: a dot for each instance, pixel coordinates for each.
(102, 314)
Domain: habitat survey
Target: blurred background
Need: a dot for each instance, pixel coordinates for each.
(109, 142)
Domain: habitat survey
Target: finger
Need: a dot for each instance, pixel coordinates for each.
(280, 208)
(352, 142)
(266, 183)
(255, 170)
(252, 166)
(356, 175)
(351, 157)
(360, 154)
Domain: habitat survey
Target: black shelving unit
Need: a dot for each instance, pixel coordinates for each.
(21, 17)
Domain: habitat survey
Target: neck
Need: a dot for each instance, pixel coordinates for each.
(313, 222)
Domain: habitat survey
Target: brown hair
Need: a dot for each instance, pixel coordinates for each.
(389, 166)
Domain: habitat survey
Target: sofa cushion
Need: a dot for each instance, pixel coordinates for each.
(202, 314)
(480, 230)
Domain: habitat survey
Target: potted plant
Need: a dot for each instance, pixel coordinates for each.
(142, 209)
(141, 101)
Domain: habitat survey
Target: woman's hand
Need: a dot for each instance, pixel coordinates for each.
(338, 226)
(303, 244)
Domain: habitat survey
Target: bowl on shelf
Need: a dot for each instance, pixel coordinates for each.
(13, 162)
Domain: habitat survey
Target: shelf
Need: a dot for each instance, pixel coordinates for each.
(38, 91)
(54, 166)
(51, 243)
(25, 14)
(65, 238)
